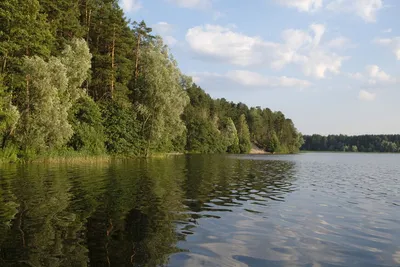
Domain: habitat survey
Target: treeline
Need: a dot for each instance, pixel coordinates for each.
(360, 143)
(77, 76)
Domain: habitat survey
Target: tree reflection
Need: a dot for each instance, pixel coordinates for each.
(219, 183)
(135, 226)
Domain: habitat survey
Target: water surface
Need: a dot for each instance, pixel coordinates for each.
(316, 209)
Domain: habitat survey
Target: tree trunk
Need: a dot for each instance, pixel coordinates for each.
(88, 25)
(4, 141)
(4, 64)
(28, 100)
(137, 59)
(112, 64)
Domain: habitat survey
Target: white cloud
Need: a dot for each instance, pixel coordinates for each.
(320, 62)
(248, 78)
(378, 75)
(366, 9)
(373, 76)
(226, 45)
(387, 30)
(196, 79)
(366, 96)
(192, 4)
(253, 79)
(393, 43)
(131, 5)
(340, 43)
(170, 40)
(356, 75)
(299, 47)
(163, 28)
(302, 5)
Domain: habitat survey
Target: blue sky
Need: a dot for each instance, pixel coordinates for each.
(332, 66)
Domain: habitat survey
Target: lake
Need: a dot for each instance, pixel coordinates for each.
(312, 209)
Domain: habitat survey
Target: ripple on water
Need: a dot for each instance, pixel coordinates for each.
(300, 210)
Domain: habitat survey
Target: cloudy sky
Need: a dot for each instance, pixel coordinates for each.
(333, 66)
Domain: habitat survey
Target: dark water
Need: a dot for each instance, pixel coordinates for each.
(301, 210)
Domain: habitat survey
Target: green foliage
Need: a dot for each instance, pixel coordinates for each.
(24, 32)
(9, 115)
(121, 129)
(51, 89)
(160, 98)
(273, 143)
(111, 43)
(9, 153)
(361, 143)
(76, 58)
(203, 137)
(230, 136)
(46, 110)
(86, 120)
(211, 127)
(243, 135)
(119, 90)
(63, 17)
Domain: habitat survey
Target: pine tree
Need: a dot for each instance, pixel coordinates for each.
(143, 37)
(110, 41)
(25, 32)
(64, 20)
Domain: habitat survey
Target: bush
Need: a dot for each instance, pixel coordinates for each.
(9, 154)
(122, 130)
(86, 120)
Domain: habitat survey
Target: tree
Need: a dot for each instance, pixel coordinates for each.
(161, 99)
(363, 143)
(142, 34)
(230, 136)
(120, 90)
(54, 87)
(9, 115)
(244, 135)
(86, 120)
(63, 18)
(76, 58)
(45, 123)
(273, 143)
(24, 32)
(110, 40)
(121, 128)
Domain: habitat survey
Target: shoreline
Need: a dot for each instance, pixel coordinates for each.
(87, 158)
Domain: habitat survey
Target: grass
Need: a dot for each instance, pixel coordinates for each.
(69, 156)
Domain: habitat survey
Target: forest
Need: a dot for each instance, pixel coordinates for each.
(78, 78)
(344, 143)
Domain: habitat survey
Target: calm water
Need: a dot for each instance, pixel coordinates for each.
(301, 210)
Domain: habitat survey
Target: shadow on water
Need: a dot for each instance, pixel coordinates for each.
(130, 213)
